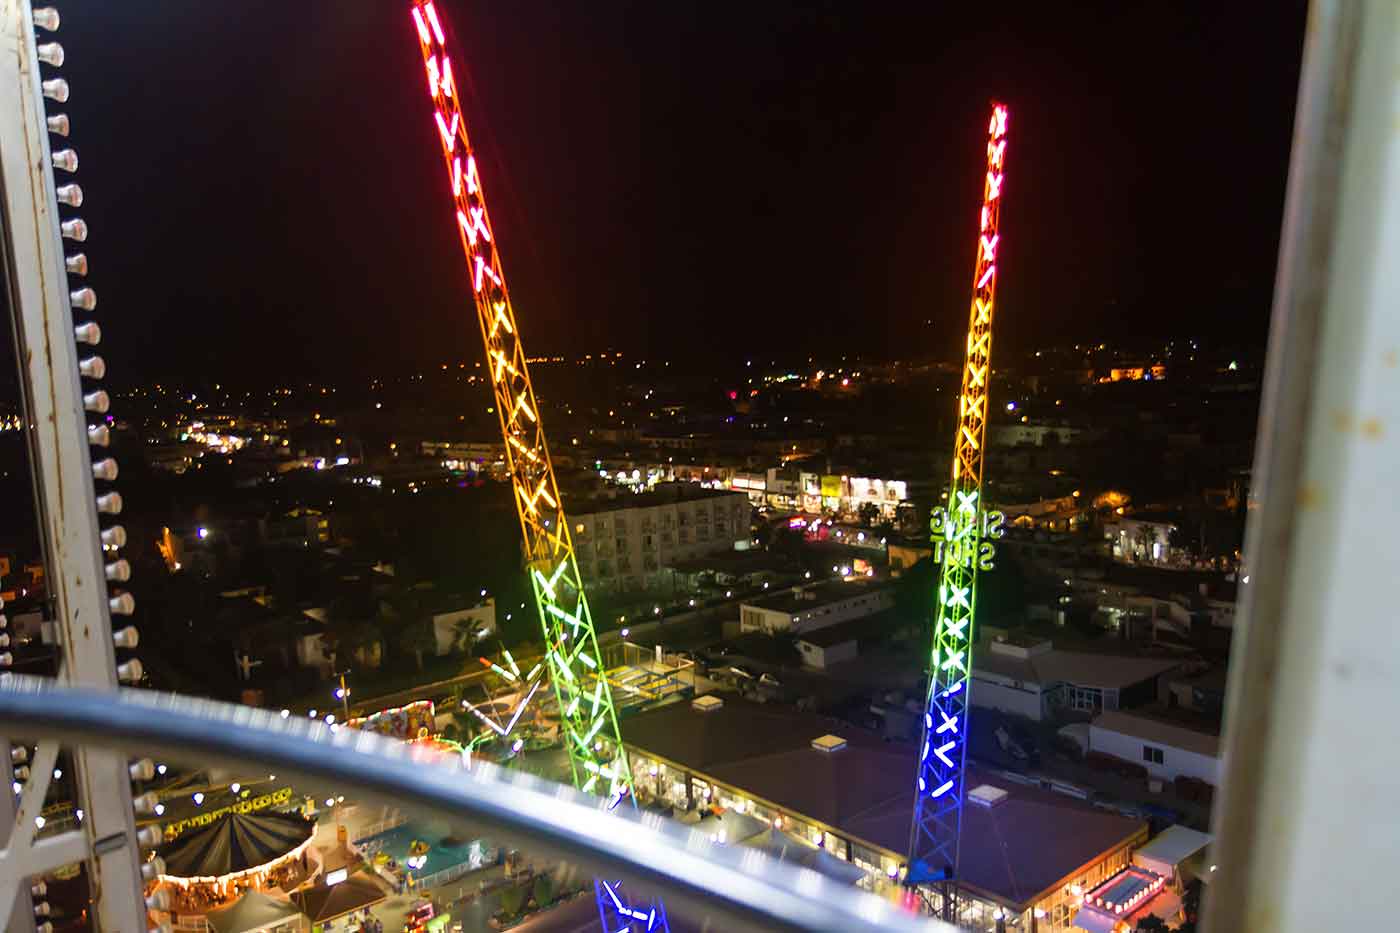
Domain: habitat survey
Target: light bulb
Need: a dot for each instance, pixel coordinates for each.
(97, 402)
(51, 53)
(46, 18)
(84, 298)
(130, 672)
(105, 469)
(124, 605)
(76, 264)
(56, 89)
(94, 367)
(110, 503)
(118, 571)
(114, 536)
(72, 195)
(58, 124)
(75, 229)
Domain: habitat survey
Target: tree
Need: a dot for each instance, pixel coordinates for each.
(465, 633)
(512, 900)
(352, 634)
(544, 890)
(351, 639)
(416, 637)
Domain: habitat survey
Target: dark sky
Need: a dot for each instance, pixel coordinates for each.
(671, 177)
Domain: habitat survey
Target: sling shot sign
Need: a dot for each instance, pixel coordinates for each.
(966, 539)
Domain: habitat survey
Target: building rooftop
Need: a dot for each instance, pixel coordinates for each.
(873, 625)
(1013, 852)
(661, 494)
(1151, 729)
(1171, 847)
(1082, 668)
(815, 595)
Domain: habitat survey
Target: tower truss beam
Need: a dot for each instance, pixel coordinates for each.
(960, 533)
(588, 719)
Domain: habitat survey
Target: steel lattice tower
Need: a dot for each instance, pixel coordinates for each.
(587, 715)
(960, 532)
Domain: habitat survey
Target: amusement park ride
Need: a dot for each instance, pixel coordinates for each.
(966, 530)
(69, 413)
(588, 719)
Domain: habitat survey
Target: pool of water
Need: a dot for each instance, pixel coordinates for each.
(444, 851)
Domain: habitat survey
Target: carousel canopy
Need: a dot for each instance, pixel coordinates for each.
(238, 843)
(253, 911)
(323, 903)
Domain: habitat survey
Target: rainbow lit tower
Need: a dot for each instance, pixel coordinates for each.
(588, 719)
(962, 534)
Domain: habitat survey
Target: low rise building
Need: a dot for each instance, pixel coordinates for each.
(849, 794)
(454, 617)
(1029, 677)
(1168, 750)
(1036, 433)
(807, 608)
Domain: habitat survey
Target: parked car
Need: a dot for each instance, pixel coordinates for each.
(769, 679)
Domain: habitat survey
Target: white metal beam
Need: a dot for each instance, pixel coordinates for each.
(1305, 823)
(57, 425)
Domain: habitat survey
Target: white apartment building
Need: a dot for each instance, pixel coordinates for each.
(805, 608)
(627, 542)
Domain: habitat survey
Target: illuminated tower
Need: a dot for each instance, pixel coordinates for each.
(588, 720)
(961, 534)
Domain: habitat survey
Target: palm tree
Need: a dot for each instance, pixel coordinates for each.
(467, 632)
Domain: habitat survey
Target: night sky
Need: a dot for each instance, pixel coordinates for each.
(267, 200)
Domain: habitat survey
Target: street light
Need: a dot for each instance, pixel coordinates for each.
(342, 693)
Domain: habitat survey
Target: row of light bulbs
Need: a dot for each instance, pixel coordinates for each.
(104, 469)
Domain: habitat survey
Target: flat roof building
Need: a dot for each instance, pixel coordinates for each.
(1031, 678)
(853, 797)
(1169, 750)
(627, 542)
(815, 605)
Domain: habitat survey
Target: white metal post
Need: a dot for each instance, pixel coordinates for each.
(1305, 823)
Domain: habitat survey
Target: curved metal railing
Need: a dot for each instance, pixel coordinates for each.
(727, 888)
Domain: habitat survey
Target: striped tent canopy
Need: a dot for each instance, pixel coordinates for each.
(238, 843)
